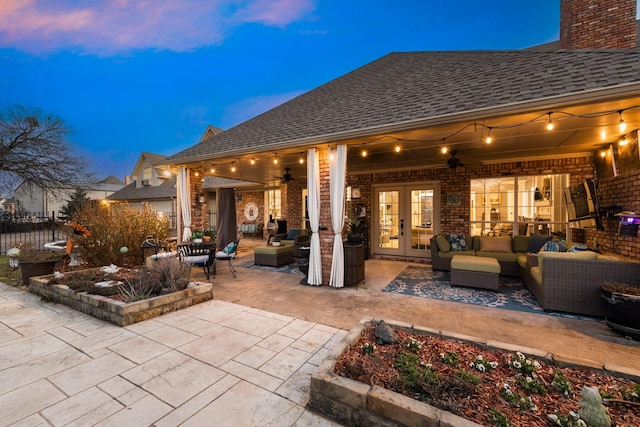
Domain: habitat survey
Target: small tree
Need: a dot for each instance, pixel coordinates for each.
(113, 226)
(78, 201)
(34, 149)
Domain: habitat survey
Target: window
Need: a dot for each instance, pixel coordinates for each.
(273, 203)
(146, 173)
(518, 205)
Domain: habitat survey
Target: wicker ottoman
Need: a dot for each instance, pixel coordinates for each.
(274, 256)
(475, 272)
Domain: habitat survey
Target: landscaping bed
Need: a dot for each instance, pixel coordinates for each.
(459, 382)
(122, 296)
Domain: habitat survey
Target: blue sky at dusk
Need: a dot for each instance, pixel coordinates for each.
(133, 75)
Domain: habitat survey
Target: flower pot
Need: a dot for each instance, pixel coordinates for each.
(197, 240)
(623, 311)
(354, 240)
(206, 239)
(33, 269)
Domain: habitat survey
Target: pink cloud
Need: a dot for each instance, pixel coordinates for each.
(115, 26)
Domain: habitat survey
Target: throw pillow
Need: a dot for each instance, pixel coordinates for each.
(536, 241)
(230, 248)
(578, 247)
(443, 243)
(457, 242)
(292, 234)
(495, 244)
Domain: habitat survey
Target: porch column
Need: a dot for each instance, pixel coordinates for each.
(326, 232)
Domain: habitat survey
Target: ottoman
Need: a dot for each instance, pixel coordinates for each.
(274, 256)
(475, 272)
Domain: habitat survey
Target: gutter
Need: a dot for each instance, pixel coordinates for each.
(586, 97)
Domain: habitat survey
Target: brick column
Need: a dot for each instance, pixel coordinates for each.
(326, 232)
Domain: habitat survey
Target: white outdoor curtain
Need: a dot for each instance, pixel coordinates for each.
(314, 276)
(337, 173)
(184, 195)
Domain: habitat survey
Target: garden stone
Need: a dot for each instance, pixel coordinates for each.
(592, 411)
(384, 333)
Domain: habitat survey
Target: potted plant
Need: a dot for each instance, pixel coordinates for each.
(356, 231)
(208, 235)
(35, 262)
(196, 236)
(623, 306)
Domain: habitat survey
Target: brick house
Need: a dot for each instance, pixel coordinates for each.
(519, 128)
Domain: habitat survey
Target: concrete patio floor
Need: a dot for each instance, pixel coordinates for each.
(244, 358)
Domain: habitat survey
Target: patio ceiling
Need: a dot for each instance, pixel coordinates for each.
(578, 129)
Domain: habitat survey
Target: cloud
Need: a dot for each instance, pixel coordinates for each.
(247, 108)
(116, 26)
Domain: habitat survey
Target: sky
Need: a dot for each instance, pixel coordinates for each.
(129, 76)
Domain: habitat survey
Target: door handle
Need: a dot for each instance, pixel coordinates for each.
(402, 227)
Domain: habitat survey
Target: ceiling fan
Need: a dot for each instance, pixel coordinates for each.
(287, 175)
(453, 162)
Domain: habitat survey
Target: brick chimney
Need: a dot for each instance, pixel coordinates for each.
(597, 24)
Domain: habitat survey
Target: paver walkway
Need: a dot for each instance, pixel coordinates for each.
(216, 363)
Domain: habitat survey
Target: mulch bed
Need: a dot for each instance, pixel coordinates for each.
(386, 366)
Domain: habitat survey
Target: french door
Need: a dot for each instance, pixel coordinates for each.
(406, 217)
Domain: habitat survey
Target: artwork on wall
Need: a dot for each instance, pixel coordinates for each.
(454, 199)
(628, 153)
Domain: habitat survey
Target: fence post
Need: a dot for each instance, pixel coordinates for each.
(53, 226)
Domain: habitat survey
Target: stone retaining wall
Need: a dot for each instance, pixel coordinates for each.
(117, 312)
(357, 404)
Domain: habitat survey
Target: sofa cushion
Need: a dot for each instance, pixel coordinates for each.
(522, 260)
(457, 241)
(536, 241)
(443, 243)
(520, 243)
(449, 254)
(500, 256)
(495, 244)
(585, 255)
(536, 274)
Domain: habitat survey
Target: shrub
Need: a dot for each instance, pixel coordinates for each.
(115, 226)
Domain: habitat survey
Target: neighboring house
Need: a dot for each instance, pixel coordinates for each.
(8, 205)
(149, 184)
(520, 127)
(35, 200)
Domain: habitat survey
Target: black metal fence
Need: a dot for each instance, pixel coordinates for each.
(36, 229)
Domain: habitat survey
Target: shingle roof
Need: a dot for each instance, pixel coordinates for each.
(404, 87)
(165, 190)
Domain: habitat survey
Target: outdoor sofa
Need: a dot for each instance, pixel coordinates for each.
(560, 281)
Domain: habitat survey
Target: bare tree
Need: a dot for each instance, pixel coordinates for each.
(34, 149)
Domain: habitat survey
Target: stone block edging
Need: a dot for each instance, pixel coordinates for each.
(358, 404)
(117, 312)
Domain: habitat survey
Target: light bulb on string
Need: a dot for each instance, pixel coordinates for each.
(252, 161)
(621, 124)
(444, 150)
(397, 148)
(488, 139)
(549, 123)
(275, 159)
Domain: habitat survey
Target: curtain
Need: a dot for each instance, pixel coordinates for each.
(314, 276)
(337, 173)
(184, 196)
(227, 229)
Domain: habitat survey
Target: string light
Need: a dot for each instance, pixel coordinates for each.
(488, 139)
(275, 159)
(253, 161)
(233, 167)
(213, 170)
(363, 153)
(397, 148)
(621, 124)
(603, 154)
(603, 134)
(301, 159)
(550, 123)
(444, 150)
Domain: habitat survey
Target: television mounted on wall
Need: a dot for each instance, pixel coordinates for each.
(582, 205)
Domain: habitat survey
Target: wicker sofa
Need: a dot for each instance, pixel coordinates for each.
(570, 281)
(511, 252)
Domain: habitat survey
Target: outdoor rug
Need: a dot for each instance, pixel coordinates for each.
(287, 268)
(513, 295)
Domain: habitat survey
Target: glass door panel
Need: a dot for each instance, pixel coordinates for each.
(388, 205)
(421, 221)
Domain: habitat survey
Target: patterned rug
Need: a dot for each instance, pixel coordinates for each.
(287, 268)
(513, 295)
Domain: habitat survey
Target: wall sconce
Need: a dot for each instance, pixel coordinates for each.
(355, 193)
(200, 198)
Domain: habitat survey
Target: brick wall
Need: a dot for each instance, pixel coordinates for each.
(256, 197)
(622, 191)
(595, 24)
